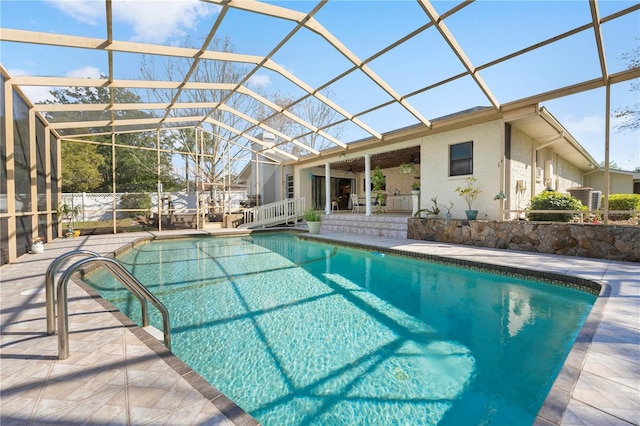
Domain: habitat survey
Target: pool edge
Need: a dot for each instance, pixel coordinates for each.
(557, 399)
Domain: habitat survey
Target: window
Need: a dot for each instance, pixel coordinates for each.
(461, 159)
(289, 186)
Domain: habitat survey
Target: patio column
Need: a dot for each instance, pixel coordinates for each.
(327, 188)
(367, 184)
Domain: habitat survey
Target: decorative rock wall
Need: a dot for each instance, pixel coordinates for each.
(614, 242)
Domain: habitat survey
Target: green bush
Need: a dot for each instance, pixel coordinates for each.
(550, 200)
(136, 201)
(623, 202)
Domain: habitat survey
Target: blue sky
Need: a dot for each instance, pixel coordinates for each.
(486, 30)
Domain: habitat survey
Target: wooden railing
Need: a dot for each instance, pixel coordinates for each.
(280, 212)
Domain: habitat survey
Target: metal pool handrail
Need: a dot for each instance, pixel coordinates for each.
(126, 279)
(49, 285)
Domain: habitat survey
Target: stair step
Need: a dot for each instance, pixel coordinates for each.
(374, 225)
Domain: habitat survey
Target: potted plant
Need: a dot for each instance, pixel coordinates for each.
(448, 209)
(415, 188)
(378, 182)
(313, 219)
(469, 192)
(429, 212)
(70, 214)
(407, 168)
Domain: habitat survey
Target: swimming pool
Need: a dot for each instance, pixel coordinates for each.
(308, 333)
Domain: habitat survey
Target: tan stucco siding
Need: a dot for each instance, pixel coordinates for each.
(618, 183)
(566, 175)
(521, 155)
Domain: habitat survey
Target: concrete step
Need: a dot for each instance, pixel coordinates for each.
(383, 225)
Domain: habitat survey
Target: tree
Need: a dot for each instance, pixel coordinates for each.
(630, 115)
(216, 140)
(81, 165)
(612, 165)
(312, 111)
(136, 169)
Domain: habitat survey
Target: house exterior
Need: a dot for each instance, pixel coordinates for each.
(620, 181)
(521, 152)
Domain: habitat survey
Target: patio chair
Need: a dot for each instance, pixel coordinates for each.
(355, 204)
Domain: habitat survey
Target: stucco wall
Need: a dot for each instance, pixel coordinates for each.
(521, 149)
(434, 161)
(618, 183)
(571, 239)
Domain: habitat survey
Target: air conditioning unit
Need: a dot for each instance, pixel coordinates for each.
(596, 200)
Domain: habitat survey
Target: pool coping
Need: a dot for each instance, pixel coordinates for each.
(558, 396)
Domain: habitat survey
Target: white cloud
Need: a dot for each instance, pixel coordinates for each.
(85, 11)
(37, 94)
(152, 21)
(84, 72)
(155, 23)
(261, 80)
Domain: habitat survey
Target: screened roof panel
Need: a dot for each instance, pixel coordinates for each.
(449, 98)
(91, 20)
(241, 28)
(379, 23)
(509, 26)
(423, 60)
(348, 131)
(352, 86)
(392, 113)
(274, 85)
(166, 22)
(385, 64)
(310, 58)
(207, 70)
(610, 7)
(622, 41)
(52, 61)
(158, 97)
(545, 69)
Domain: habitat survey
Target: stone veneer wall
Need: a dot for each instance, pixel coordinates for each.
(572, 239)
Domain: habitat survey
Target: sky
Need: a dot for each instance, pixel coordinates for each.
(486, 30)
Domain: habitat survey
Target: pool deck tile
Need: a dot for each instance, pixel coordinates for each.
(118, 374)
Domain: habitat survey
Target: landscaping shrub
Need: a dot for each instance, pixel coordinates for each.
(551, 200)
(136, 201)
(623, 202)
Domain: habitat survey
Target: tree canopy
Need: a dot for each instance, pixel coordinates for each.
(88, 166)
(81, 164)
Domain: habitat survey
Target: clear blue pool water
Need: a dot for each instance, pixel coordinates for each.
(304, 333)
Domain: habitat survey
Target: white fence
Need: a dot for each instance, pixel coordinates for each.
(99, 206)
